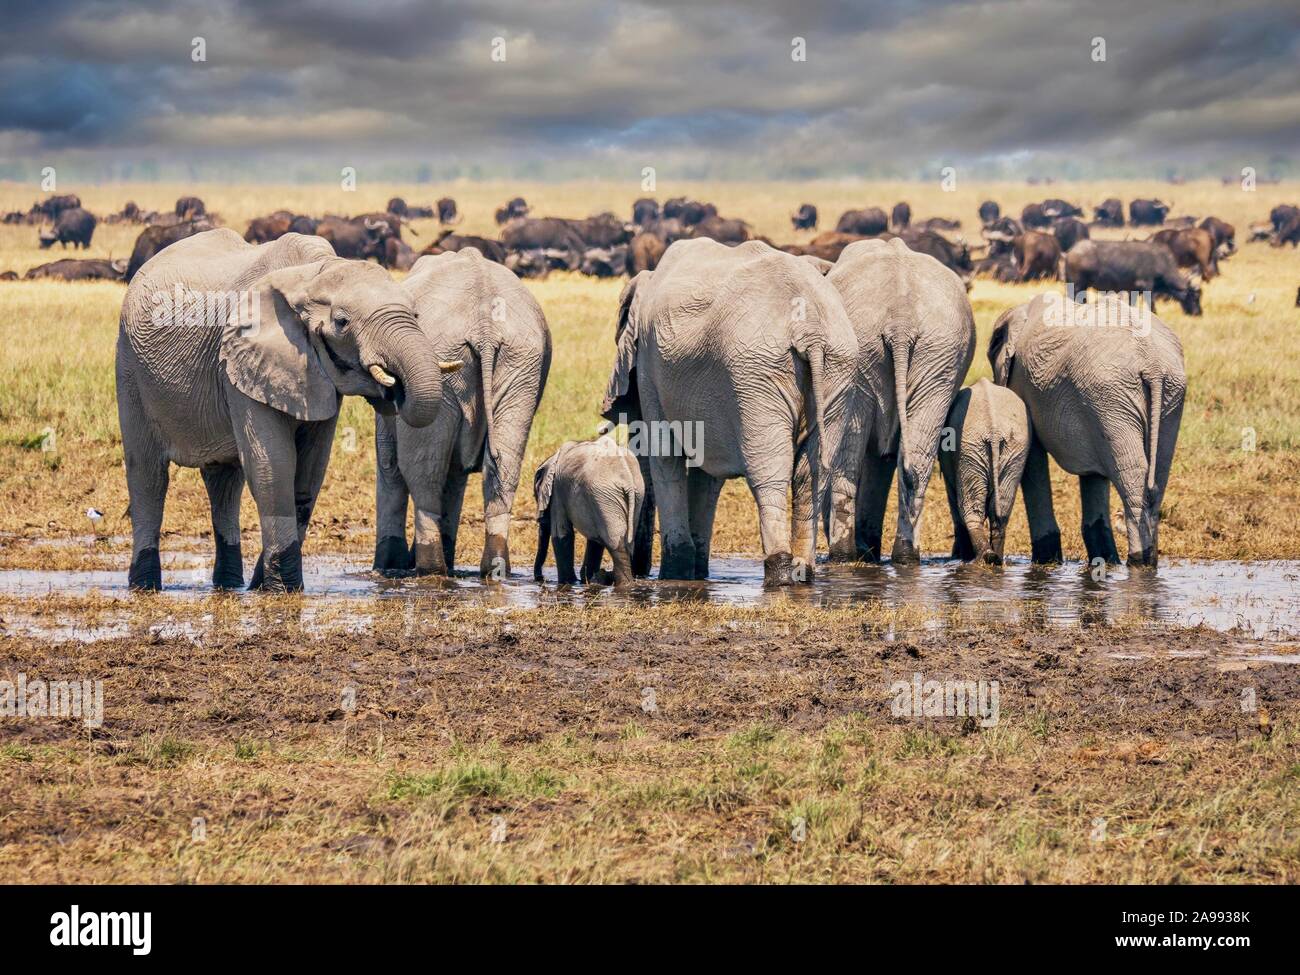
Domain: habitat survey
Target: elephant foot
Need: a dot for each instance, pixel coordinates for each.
(905, 553)
(429, 560)
(228, 572)
(495, 563)
(779, 570)
(1046, 550)
(146, 571)
(1099, 542)
(869, 547)
(392, 557)
(1145, 559)
(678, 562)
(280, 572)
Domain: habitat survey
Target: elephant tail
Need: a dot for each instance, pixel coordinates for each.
(487, 361)
(629, 501)
(543, 543)
(995, 499)
(1155, 407)
(900, 348)
(816, 357)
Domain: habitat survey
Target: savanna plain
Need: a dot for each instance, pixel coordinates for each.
(410, 735)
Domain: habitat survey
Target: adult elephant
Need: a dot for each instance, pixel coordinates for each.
(473, 309)
(742, 348)
(242, 377)
(1105, 398)
(916, 339)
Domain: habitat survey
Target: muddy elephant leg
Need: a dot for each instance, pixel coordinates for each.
(1141, 520)
(225, 485)
(430, 552)
(1098, 538)
(562, 541)
(147, 476)
(453, 500)
(869, 510)
(391, 496)
(1036, 485)
(774, 527)
(591, 562)
(676, 550)
(703, 492)
(623, 575)
(803, 511)
(269, 458)
(644, 537)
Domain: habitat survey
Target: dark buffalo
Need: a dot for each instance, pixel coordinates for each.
(1033, 217)
(541, 233)
(51, 207)
(447, 212)
(869, 222)
(154, 239)
(262, 230)
(954, 255)
(130, 213)
(989, 213)
(1289, 232)
(449, 240)
(1056, 209)
(75, 227)
(1191, 247)
(645, 252)
(513, 210)
(1069, 231)
(1001, 234)
(805, 218)
(1109, 214)
(900, 218)
(79, 270)
(190, 208)
(603, 230)
(645, 210)
(939, 224)
(8, 275)
(398, 255)
(401, 208)
(827, 245)
(359, 238)
(303, 225)
(722, 230)
(1136, 267)
(1001, 267)
(1147, 213)
(605, 262)
(1282, 214)
(398, 206)
(1037, 255)
(689, 212)
(1224, 234)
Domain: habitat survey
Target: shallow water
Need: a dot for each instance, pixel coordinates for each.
(1261, 599)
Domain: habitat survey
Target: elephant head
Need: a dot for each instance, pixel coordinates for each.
(309, 333)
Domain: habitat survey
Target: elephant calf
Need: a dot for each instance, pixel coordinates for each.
(982, 466)
(594, 488)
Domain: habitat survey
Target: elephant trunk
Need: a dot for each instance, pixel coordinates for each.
(396, 343)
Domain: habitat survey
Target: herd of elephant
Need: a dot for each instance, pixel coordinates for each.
(821, 384)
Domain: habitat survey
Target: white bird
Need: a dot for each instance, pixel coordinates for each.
(94, 514)
(1250, 298)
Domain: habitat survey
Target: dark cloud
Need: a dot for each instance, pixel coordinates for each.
(672, 83)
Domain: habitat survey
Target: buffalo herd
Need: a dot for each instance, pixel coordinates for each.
(1050, 240)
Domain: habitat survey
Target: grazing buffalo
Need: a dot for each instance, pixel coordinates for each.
(130, 213)
(901, 217)
(449, 240)
(1147, 213)
(1282, 214)
(1224, 234)
(1135, 267)
(954, 255)
(1055, 209)
(157, 238)
(513, 210)
(1034, 217)
(1000, 267)
(1037, 255)
(865, 223)
(190, 208)
(1289, 232)
(1109, 214)
(533, 233)
(689, 212)
(826, 245)
(939, 224)
(1069, 231)
(75, 227)
(805, 218)
(645, 211)
(263, 230)
(8, 275)
(722, 230)
(645, 252)
(359, 238)
(603, 230)
(1001, 234)
(401, 208)
(70, 269)
(51, 207)
(398, 255)
(1191, 247)
(605, 262)
(989, 213)
(447, 212)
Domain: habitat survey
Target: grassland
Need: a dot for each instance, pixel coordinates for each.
(517, 746)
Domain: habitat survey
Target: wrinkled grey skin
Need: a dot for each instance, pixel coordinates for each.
(916, 340)
(474, 310)
(258, 401)
(1106, 402)
(753, 343)
(982, 462)
(595, 489)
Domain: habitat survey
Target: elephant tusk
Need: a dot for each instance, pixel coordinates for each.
(452, 366)
(378, 374)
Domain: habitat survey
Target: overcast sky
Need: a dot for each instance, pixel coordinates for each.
(681, 84)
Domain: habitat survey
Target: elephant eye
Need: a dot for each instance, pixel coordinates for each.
(341, 320)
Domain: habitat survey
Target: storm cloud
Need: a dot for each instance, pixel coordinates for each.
(711, 88)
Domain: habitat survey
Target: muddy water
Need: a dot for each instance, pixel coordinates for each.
(1261, 599)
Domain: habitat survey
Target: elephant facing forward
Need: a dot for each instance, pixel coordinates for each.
(471, 309)
(749, 347)
(233, 358)
(1105, 397)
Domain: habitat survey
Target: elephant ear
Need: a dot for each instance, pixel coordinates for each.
(267, 353)
(1002, 350)
(620, 396)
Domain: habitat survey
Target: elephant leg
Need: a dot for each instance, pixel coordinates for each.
(147, 476)
(391, 496)
(963, 546)
(453, 500)
(225, 485)
(562, 542)
(427, 491)
(623, 575)
(591, 561)
(702, 491)
(265, 439)
(869, 510)
(1036, 486)
(314, 441)
(1098, 538)
(644, 537)
(677, 551)
(925, 426)
(774, 527)
(1141, 520)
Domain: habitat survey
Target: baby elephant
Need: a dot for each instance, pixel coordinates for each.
(982, 461)
(595, 488)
